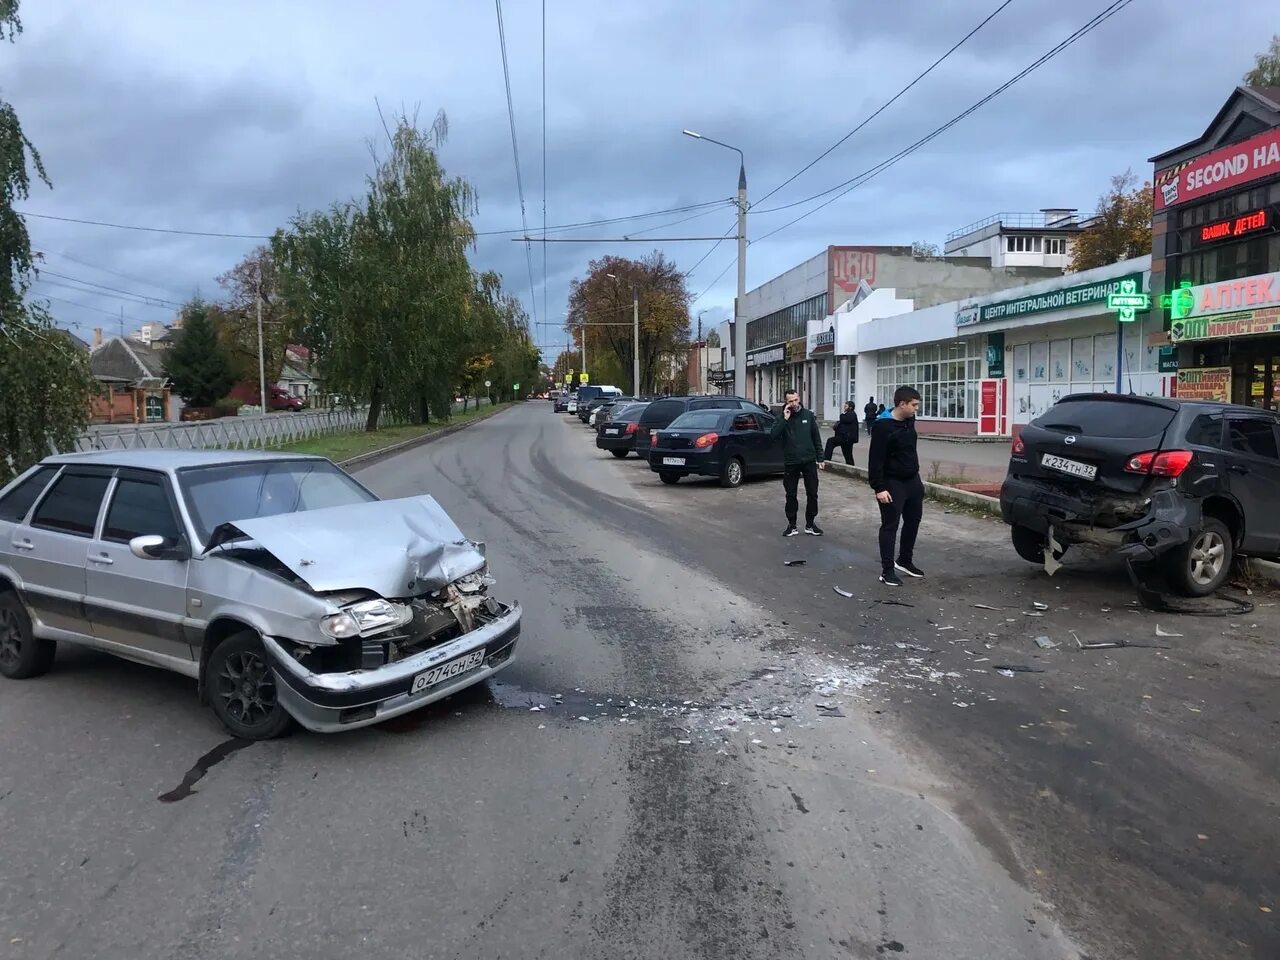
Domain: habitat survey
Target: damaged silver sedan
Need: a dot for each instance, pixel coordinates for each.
(284, 587)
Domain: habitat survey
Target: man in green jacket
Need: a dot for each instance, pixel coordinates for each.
(802, 456)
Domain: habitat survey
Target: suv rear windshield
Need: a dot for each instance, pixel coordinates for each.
(661, 412)
(697, 420)
(1106, 418)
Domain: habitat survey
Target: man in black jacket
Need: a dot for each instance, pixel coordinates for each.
(893, 467)
(870, 412)
(845, 435)
(802, 456)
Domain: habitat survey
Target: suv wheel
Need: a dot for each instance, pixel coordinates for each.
(669, 477)
(1030, 545)
(1203, 564)
(620, 454)
(22, 655)
(731, 475)
(242, 689)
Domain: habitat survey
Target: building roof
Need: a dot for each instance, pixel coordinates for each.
(158, 459)
(73, 339)
(127, 360)
(1268, 97)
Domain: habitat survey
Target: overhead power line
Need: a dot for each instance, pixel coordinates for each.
(888, 103)
(515, 150)
(869, 174)
(103, 286)
(609, 239)
(116, 273)
(715, 281)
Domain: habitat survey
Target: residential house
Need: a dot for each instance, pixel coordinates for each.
(135, 388)
(299, 375)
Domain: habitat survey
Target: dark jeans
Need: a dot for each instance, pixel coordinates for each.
(791, 482)
(907, 507)
(846, 447)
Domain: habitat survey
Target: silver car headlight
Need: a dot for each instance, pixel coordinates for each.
(368, 616)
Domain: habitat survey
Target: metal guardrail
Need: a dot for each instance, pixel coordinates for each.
(229, 433)
(1017, 221)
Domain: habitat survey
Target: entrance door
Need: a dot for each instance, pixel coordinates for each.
(993, 418)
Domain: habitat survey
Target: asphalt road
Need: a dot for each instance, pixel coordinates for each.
(741, 763)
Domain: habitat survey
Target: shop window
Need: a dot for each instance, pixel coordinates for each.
(1082, 358)
(1059, 361)
(1035, 244)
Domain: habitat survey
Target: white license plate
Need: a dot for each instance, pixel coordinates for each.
(614, 431)
(447, 671)
(673, 461)
(1073, 467)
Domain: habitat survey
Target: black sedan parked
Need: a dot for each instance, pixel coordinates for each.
(727, 444)
(618, 433)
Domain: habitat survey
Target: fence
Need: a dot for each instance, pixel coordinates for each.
(229, 433)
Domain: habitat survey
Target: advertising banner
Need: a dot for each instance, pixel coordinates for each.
(1247, 323)
(1081, 295)
(1218, 170)
(1205, 383)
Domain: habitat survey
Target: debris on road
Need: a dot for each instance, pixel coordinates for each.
(1044, 643)
(794, 563)
(1016, 668)
(1039, 606)
(984, 606)
(843, 593)
(1161, 632)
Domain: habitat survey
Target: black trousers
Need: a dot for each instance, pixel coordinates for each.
(791, 483)
(907, 507)
(846, 447)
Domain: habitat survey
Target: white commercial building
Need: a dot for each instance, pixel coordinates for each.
(989, 364)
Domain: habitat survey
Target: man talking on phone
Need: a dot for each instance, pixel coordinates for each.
(893, 468)
(802, 456)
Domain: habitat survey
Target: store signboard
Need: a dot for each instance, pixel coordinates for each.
(1205, 383)
(822, 343)
(995, 355)
(1168, 360)
(1246, 293)
(767, 356)
(1233, 228)
(1246, 323)
(797, 349)
(967, 316)
(1217, 170)
(1067, 298)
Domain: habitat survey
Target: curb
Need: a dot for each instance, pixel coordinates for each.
(373, 456)
(937, 491)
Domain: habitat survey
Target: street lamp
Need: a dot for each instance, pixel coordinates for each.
(739, 327)
(635, 335)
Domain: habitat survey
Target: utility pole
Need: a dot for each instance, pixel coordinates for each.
(262, 362)
(739, 325)
(635, 346)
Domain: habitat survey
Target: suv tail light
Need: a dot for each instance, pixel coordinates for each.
(631, 427)
(706, 440)
(1160, 463)
(1018, 445)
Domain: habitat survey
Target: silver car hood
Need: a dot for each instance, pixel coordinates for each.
(396, 548)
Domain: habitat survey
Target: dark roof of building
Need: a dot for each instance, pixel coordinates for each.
(1268, 97)
(74, 340)
(128, 360)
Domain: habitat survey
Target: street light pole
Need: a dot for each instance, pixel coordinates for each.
(635, 335)
(739, 327)
(262, 363)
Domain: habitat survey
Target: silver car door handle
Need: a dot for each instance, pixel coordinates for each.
(102, 559)
(23, 545)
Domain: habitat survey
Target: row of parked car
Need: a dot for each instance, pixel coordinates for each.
(726, 438)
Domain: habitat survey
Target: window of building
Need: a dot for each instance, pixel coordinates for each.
(1036, 244)
(154, 409)
(946, 375)
(787, 323)
(837, 380)
(1054, 245)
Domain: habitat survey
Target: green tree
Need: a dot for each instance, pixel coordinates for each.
(1121, 226)
(1266, 67)
(252, 278)
(600, 308)
(924, 249)
(198, 365)
(45, 383)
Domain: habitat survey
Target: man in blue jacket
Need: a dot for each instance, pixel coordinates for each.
(802, 456)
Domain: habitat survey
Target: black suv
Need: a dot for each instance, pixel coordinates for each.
(660, 413)
(1193, 483)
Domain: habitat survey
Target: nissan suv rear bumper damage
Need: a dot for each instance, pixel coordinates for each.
(329, 702)
(1136, 528)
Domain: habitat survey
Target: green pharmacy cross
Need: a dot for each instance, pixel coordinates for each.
(1181, 302)
(1128, 301)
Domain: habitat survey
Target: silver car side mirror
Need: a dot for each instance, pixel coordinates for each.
(156, 547)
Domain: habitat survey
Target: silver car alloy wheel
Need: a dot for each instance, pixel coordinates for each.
(735, 472)
(247, 688)
(1207, 555)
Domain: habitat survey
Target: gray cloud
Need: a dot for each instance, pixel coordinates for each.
(233, 118)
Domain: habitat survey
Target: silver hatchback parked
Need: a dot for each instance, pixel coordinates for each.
(284, 587)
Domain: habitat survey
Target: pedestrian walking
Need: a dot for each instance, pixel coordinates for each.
(845, 435)
(870, 412)
(802, 458)
(893, 468)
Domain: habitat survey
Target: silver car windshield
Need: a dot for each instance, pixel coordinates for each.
(243, 491)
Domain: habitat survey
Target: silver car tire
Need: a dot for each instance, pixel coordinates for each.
(22, 654)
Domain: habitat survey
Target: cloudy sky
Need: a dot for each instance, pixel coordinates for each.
(229, 117)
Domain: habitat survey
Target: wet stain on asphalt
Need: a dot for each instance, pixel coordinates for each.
(798, 801)
(203, 766)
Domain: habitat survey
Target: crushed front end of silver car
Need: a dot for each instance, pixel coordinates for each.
(368, 611)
